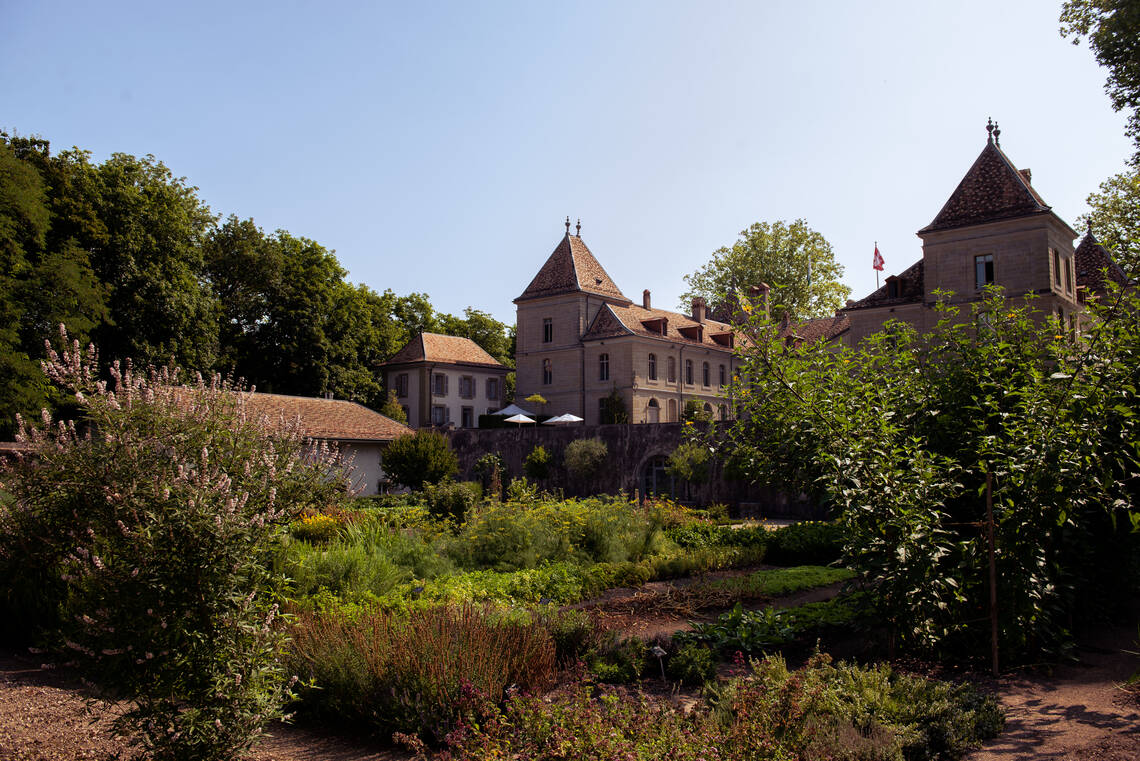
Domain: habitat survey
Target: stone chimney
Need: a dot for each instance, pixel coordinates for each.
(698, 309)
(645, 298)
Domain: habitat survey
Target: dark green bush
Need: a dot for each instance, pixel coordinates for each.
(451, 499)
(692, 664)
(806, 543)
(419, 458)
(583, 458)
(618, 660)
(537, 464)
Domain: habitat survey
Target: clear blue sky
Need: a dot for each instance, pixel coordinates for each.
(437, 147)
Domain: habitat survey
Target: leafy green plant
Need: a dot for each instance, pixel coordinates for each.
(451, 500)
(583, 458)
(419, 458)
(537, 464)
(901, 436)
(614, 409)
(690, 461)
(806, 543)
(754, 631)
(148, 544)
(618, 660)
(692, 664)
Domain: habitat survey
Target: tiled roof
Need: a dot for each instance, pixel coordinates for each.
(613, 320)
(433, 347)
(911, 288)
(819, 329)
(1093, 261)
(331, 419)
(993, 189)
(571, 268)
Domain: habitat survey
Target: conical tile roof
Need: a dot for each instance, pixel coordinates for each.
(993, 189)
(1095, 265)
(571, 268)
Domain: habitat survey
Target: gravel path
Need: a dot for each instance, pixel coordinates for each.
(44, 717)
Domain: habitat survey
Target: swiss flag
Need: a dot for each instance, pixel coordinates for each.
(877, 262)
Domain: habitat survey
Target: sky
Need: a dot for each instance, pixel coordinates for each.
(438, 147)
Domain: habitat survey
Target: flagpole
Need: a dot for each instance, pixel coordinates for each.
(876, 270)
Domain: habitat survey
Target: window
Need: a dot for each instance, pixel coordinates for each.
(438, 414)
(983, 270)
(1056, 267)
(603, 367)
(547, 330)
(689, 371)
(547, 373)
(653, 412)
(466, 387)
(652, 367)
(892, 288)
(672, 370)
(705, 378)
(1069, 275)
(671, 414)
(439, 384)
(492, 388)
(407, 412)
(723, 412)
(402, 385)
(723, 376)
(468, 417)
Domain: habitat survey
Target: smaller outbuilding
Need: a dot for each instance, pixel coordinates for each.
(359, 433)
(445, 381)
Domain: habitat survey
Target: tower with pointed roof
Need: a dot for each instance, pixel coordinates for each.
(580, 339)
(995, 229)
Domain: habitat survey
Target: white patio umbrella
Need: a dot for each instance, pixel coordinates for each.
(563, 420)
(511, 409)
(520, 419)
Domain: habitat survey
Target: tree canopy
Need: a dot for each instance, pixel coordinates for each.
(126, 254)
(1115, 218)
(797, 262)
(1113, 31)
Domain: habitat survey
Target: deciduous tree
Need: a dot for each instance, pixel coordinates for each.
(797, 262)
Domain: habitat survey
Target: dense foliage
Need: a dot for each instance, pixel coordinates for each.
(424, 457)
(138, 542)
(1113, 31)
(583, 458)
(797, 262)
(127, 254)
(1114, 215)
(900, 436)
(823, 710)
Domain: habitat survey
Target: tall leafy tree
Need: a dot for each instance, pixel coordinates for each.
(1115, 218)
(1112, 28)
(151, 262)
(797, 262)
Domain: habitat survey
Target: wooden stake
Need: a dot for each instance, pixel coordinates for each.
(993, 571)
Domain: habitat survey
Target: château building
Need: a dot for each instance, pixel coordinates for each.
(580, 340)
(995, 229)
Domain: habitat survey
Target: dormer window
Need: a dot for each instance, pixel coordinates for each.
(983, 271)
(892, 287)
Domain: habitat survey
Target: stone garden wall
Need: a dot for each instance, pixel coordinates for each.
(633, 450)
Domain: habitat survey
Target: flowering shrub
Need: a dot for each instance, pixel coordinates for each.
(821, 711)
(425, 673)
(315, 528)
(144, 532)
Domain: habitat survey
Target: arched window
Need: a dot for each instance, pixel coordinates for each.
(708, 409)
(671, 411)
(705, 374)
(723, 411)
(653, 412)
(672, 369)
(547, 373)
(689, 372)
(603, 367)
(652, 367)
(722, 375)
